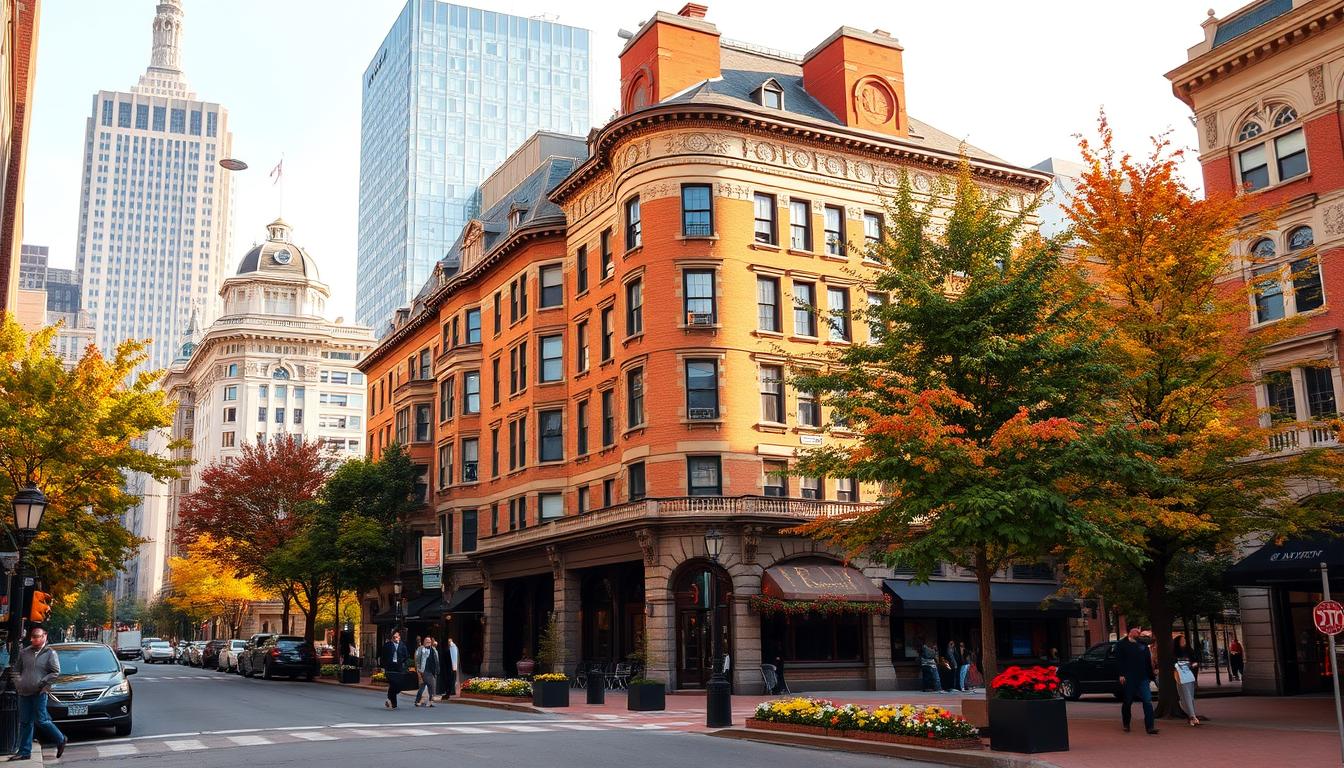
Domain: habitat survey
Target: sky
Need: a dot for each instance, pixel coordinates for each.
(1020, 80)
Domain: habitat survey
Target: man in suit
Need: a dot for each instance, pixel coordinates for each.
(394, 667)
(1136, 671)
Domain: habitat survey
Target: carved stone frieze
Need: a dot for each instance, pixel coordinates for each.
(751, 541)
(557, 561)
(854, 212)
(648, 544)
(1334, 219)
(732, 191)
(1317, 77)
(1211, 131)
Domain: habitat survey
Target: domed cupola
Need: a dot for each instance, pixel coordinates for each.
(279, 255)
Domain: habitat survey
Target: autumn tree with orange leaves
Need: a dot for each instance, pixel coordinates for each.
(1177, 334)
(975, 405)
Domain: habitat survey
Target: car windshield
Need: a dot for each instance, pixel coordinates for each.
(160, 644)
(87, 661)
(289, 645)
(239, 644)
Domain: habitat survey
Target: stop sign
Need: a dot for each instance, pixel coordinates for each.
(1329, 617)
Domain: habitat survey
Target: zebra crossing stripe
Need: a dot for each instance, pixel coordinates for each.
(312, 736)
(250, 741)
(182, 745)
(467, 729)
(525, 728)
(417, 732)
(117, 750)
(571, 727)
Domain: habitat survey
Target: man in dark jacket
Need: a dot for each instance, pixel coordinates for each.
(37, 667)
(1135, 661)
(393, 663)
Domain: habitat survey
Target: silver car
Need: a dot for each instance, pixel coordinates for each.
(228, 655)
(158, 652)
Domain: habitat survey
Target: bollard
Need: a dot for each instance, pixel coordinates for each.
(597, 687)
(9, 720)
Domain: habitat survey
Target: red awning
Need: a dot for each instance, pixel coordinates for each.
(810, 582)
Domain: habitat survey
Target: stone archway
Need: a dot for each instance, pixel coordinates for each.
(692, 585)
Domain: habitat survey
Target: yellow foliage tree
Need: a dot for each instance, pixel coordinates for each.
(204, 588)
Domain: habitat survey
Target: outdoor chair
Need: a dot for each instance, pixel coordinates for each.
(580, 677)
(619, 677)
(770, 676)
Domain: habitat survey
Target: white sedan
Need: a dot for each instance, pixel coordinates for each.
(158, 652)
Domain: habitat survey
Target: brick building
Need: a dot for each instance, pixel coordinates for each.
(1265, 86)
(18, 59)
(605, 378)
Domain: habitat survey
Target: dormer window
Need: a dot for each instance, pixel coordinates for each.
(516, 218)
(770, 94)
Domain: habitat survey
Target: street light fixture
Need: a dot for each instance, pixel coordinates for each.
(718, 692)
(396, 597)
(29, 506)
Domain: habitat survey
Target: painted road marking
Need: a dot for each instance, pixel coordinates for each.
(117, 750)
(312, 736)
(182, 745)
(250, 741)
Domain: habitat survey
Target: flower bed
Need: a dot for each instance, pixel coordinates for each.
(510, 688)
(892, 723)
(1026, 683)
(826, 605)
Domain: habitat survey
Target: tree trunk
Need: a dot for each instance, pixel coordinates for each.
(1213, 649)
(989, 652)
(1155, 582)
(284, 612)
(336, 619)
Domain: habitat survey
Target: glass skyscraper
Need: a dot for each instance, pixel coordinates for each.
(447, 96)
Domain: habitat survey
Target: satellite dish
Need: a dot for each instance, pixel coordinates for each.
(233, 164)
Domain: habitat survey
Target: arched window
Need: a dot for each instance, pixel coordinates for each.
(1249, 131)
(280, 373)
(1284, 116)
(1275, 157)
(1300, 238)
(1263, 249)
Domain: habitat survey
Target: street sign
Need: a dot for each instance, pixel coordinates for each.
(1329, 617)
(431, 562)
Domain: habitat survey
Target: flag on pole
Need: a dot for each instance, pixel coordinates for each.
(277, 171)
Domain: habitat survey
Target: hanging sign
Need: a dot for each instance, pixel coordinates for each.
(431, 562)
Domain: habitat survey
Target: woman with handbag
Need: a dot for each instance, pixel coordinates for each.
(1184, 667)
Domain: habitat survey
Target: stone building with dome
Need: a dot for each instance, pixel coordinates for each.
(271, 364)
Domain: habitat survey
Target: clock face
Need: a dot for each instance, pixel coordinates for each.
(281, 257)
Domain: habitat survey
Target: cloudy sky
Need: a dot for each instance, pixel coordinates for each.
(1018, 79)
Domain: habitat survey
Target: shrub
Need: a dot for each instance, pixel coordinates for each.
(378, 677)
(495, 686)
(551, 677)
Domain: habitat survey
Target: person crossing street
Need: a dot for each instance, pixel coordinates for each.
(37, 668)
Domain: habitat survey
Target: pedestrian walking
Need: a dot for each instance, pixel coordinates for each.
(964, 668)
(976, 676)
(450, 670)
(393, 663)
(37, 668)
(928, 667)
(1136, 672)
(1184, 667)
(427, 670)
(954, 666)
(1236, 658)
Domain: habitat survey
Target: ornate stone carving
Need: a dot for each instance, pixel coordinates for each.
(733, 191)
(751, 541)
(699, 143)
(1211, 131)
(485, 573)
(854, 212)
(658, 190)
(1317, 77)
(648, 543)
(818, 207)
(1334, 219)
(557, 562)
(874, 101)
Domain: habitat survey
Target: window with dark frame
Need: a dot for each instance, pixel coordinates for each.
(812, 487)
(552, 351)
(698, 288)
(800, 225)
(581, 427)
(809, 412)
(846, 489)
(608, 263)
(1320, 386)
(424, 432)
(703, 476)
(471, 459)
(608, 335)
(872, 234)
(494, 451)
(634, 389)
(608, 492)
(697, 210)
(471, 392)
(446, 390)
(634, 307)
(581, 270)
(469, 526)
(513, 302)
(494, 519)
(837, 301)
(494, 380)
(776, 483)
(498, 311)
(635, 481)
(474, 325)
(584, 504)
(772, 394)
(552, 286)
(702, 389)
(633, 233)
(550, 435)
(767, 304)
(804, 309)
(608, 418)
(764, 208)
(835, 230)
(582, 360)
(1279, 396)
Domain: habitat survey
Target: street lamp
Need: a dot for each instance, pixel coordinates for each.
(29, 506)
(396, 597)
(718, 692)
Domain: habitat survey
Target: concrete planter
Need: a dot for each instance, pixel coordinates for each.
(883, 738)
(550, 693)
(646, 697)
(1028, 725)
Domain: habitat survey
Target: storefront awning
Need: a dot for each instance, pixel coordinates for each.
(950, 599)
(811, 581)
(427, 605)
(1296, 562)
(466, 600)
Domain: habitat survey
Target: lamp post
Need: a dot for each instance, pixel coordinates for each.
(718, 692)
(396, 597)
(29, 506)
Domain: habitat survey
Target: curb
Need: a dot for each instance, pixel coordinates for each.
(488, 704)
(957, 757)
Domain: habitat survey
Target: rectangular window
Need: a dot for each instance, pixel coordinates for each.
(471, 459)
(178, 121)
(513, 371)
(124, 114)
(581, 271)
(872, 228)
(228, 439)
(450, 335)
(876, 326)
(552, 358)
(230, 415)
(581, 343)
(635, 487)
(697, 213)
(608, 335)
(634, 387)
(703, 475)
(608, 418)
(698, 287)
(1307, 295)
(846, 489)
(809, 412)
(1320, 392)
(552, 286)
(804, 303)
(404, 426)
(107, 113)
(522, 441)
(767, 304)
(426, 370)
(765, 218)
(608, 264)
(160, 118)
(211, 123)
(1291, 151)
(279, 415)
(550, 505)
(195, 122)
(776, 482)
(423, 431)
(1254, 167)
(800, 225)
(1280, 397)
(499, 311)
(471, 392)
(608, 492)
(231, 392)
(702, 389)
(772, 394)
(142, 117)
(298, 417)
(469, 525)
(494, 519)
(581, 420)
(584, 502)
(812, 487)
(513, 302)
(550, 435)
(1268, 295)
(633, 233)
(494, 381)
(634, 308)
(837, 301)
(494, 451)
(445, 465)
(262, 413)
(474, 325)
(446, 388)
(835, 230)
(513, 445)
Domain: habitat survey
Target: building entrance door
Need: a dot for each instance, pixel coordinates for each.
(695, 642)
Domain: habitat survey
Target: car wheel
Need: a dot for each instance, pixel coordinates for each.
(123, 729)
(1070, 689)
(266, 672)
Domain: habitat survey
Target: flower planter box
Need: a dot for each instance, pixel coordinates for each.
(1028, 725)
(495, 697)
(550, 693)
(885, 738)
(350, 676)
(646, 697)
(811, 730)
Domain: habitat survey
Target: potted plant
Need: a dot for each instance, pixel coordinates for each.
(1026, 713)
(550, 689)
(644, 694)
(349, 674)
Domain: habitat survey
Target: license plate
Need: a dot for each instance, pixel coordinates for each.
(77, 710)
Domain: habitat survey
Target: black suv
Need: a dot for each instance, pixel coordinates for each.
(92, 689)
(1096, 671)
(245, 656)
(283, 655)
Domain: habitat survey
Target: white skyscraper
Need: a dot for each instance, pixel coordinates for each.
(155, 205)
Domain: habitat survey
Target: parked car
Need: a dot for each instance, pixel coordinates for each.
(245, 657)
(283, 655)
(195, 650)
(182, 652)
(210, 653)
(158, 652)
(1096, 671)
(228, 655)
(92, 689)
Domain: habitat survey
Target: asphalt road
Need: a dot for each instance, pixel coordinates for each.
(207, 719)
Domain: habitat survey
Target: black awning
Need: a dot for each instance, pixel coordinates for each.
(427, 605)
(1296, 562)
(961, 599)
(466, 600)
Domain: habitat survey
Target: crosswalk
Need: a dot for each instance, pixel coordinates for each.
(221, 677)
(182, 743)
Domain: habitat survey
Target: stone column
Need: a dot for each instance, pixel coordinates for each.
(1263, 674)
(566, 607)
(492, 638)
(746, 635)
(660, 611)
(881, 672)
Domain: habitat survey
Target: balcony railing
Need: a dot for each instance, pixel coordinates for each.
(1294, 437)
(675, 508)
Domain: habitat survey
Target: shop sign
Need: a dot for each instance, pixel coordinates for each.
(1329, 617)
(431, 561)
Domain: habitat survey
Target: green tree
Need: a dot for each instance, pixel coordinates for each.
(972, 404)
(75, 434)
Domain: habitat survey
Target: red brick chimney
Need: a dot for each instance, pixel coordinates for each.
(859, 77)
(668, 54)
